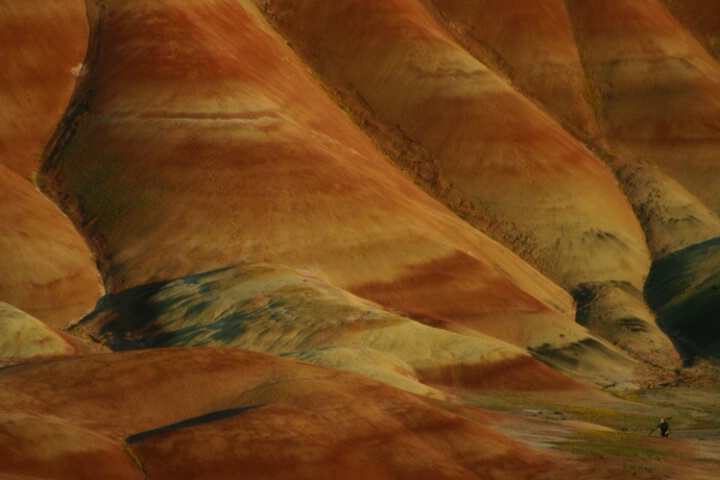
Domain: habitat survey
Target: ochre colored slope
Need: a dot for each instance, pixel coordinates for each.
(259, 145)
(510, 168)
(479, 146)
(42, 46)
(659, 89)
(42, 446)
(702, 18)
(673, 219)
(532, 45)
(659, 92)
(46, 268)
(324, 433)
(226, 149)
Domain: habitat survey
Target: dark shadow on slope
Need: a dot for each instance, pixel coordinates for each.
(595, 306)
(250, 306)
(617, 312)
(191, 422)
(134, 318)
(573, 358)
(568, 357)
(683, 288)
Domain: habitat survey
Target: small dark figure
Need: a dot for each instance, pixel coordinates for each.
(664, 428)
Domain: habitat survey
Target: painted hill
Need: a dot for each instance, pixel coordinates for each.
(340, 224)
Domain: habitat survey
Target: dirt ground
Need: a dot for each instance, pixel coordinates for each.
(611, 433)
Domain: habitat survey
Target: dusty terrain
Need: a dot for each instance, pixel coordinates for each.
(351, 239)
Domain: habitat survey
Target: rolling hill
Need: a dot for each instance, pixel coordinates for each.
(296, 239)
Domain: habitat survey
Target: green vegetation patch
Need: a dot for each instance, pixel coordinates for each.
(604, 445)
(614, 418)
(625, 418)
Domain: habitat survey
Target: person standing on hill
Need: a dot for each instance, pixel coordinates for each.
(664, 427)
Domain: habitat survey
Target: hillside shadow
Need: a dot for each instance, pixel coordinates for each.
(191, 422)
(132, 319)
(683, 289)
